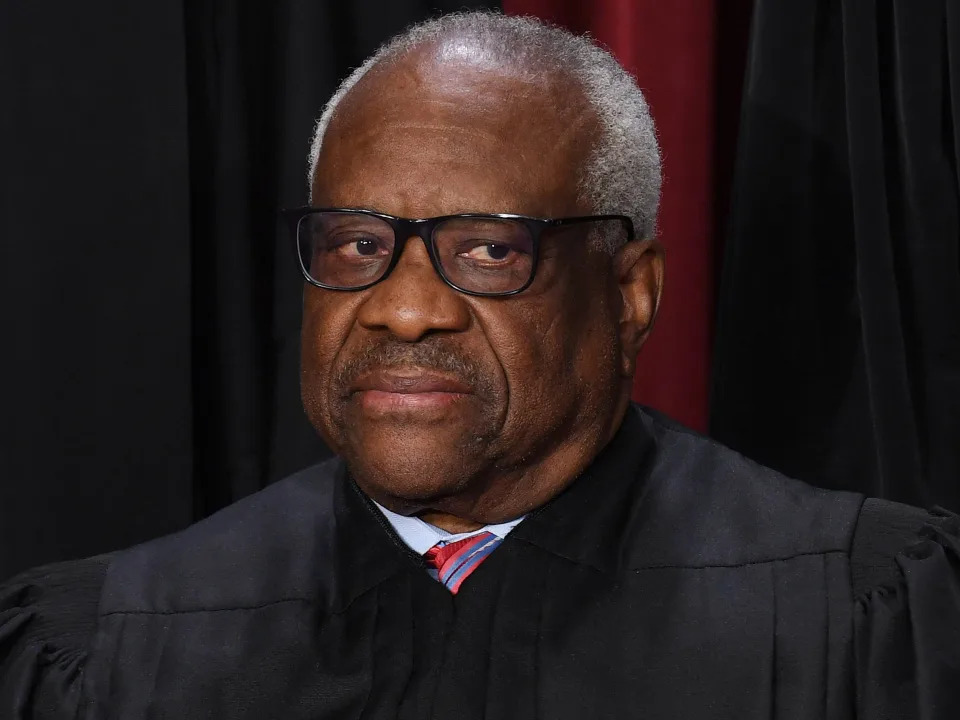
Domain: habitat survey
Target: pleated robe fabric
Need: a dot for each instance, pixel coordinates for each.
(673, 579)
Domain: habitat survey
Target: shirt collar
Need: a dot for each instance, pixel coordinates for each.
(420, 536)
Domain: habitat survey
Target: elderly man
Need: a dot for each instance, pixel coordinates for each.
(503, 534)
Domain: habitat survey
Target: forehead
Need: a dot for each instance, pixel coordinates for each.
(418, 137)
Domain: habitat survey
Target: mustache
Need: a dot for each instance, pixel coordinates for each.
(433, 353)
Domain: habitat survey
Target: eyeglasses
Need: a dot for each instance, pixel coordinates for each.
(475, 253)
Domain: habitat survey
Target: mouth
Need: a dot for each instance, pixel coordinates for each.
(385, 391)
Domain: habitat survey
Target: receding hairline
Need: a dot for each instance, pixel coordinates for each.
(575, 110)
(622, 174)
(429, 59)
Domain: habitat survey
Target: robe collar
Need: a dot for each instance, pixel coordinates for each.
(583, 524)
(586, 522)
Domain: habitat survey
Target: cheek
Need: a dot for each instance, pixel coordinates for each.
(327, 319)
(559, 354)
(537, 355)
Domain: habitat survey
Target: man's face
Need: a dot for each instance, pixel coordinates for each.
(437, 399)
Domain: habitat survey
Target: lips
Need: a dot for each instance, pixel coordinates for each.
(409, 381)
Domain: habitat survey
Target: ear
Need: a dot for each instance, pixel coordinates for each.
(638, 266)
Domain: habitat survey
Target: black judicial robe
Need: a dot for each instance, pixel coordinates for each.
(674, 579)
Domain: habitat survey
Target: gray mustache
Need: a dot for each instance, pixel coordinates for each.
(431, 354)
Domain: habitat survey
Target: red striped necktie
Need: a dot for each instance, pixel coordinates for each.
(455, 562)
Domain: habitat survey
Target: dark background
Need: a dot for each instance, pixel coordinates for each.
(150, 303)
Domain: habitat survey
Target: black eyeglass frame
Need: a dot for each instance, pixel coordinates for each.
(423, 228)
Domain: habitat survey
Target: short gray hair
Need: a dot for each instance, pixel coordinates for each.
(622, 174)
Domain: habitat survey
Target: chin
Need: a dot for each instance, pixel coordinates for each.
(408, 477)
(413, 462)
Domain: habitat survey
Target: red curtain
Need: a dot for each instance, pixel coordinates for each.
(671, 48)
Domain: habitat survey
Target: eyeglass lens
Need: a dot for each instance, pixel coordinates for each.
(482, 255)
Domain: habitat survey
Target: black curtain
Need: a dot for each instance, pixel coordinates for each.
(150, 304)
(837, 356)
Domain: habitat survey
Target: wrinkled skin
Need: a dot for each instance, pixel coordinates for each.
(544, 376)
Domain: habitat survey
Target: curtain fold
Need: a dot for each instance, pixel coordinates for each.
(838, 351)
(96, 441)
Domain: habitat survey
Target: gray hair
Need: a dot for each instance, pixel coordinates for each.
(622, 173)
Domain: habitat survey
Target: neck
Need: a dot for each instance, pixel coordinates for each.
(450, 523)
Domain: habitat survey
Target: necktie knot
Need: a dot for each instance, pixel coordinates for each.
(455, 561)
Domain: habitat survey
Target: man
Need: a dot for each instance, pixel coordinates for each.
(503, 535)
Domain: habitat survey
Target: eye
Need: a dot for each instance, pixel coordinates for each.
(363, 246)
(488, 252)
(354, 245)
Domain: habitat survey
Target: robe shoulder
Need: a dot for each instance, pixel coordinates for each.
(697, 503)
(268, 547)
(905, 572)
(904, 562)
(49, 615)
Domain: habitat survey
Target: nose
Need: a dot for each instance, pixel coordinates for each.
(413, 301)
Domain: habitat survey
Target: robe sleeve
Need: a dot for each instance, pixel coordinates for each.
(48, 617)
(906, 577)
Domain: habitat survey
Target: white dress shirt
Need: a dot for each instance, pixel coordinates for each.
(420, 536)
